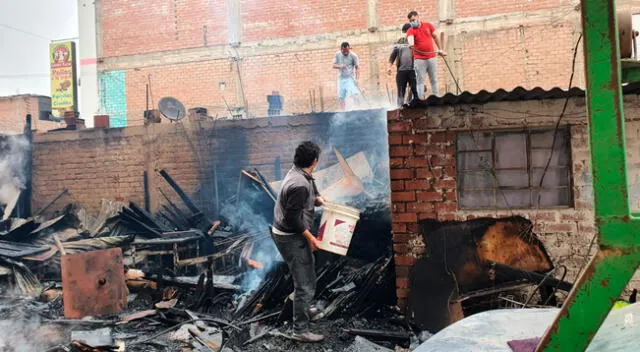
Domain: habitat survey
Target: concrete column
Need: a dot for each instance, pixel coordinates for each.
(372, 15)
(234, 22)
(446, 11)
(454, 46)
(374, 72)
(89, 96)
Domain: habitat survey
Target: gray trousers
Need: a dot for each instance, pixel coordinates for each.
(422, 68)
(297, 254)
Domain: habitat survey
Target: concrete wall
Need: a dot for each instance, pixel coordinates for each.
(424, 176)
(14, 109)
(183, 47)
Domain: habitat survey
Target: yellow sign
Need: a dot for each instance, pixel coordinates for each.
(62, 57)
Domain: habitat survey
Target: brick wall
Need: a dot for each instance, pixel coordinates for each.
(134, 28)
(390, 12)
(471, 8)
(197, 84)
(423, 176)
(183, 44)
(14, 109)
(101, 164)
(268, 20)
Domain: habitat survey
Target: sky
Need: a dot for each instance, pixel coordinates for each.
(27, 27)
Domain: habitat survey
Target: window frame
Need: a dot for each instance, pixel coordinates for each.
(530, 170)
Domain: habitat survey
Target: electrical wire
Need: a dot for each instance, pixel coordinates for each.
(557, 128)
(24, 31)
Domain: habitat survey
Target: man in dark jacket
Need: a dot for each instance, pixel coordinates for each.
(402, 56)
(293, 217)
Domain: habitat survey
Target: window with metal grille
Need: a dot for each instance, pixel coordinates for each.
(503, 169)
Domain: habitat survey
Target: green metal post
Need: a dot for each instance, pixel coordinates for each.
(619, 252)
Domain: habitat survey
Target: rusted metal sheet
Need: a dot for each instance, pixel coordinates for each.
(93, 283)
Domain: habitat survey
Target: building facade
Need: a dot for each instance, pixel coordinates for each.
(227, 56)
(14, 109)
(458, 161)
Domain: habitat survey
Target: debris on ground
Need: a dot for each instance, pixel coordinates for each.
(176, 280)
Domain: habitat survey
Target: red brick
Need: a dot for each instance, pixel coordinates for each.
(442, 160)
(399, 208)
(427, 173)
(449, 172)
(395, 163)
(402, 271)
(429, 196)
(446, 207)
(420, 207)
(402, 293)
(405, 260)
(400, 150)
(399, 126)
(424, 216)
(417, 185)
(433, 149)
(393, 115)
(450, 196)
(413, 228)
(445, 184)
(403, 196)
(414, 139)
(395, 139)
(396, 227)
(401, 174)
(416, 162)
(397, 185)
(404, 217)
(402, 237)
(402, 248)
(402, 282)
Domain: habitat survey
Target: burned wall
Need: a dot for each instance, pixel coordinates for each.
(100, 164)
(424, 177)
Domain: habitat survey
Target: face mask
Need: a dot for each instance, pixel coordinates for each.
(414, 24)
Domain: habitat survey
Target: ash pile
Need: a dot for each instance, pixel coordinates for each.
(177, 280)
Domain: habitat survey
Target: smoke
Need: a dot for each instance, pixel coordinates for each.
(13, 150)
(23, 333)
(364, 131)
(253, 215)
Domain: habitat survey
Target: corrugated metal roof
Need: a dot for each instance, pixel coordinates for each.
(518, 93)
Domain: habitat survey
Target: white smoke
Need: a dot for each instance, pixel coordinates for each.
(13, 151)
(25, 334)
(248, 220)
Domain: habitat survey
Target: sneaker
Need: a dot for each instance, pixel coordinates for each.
(307, 337)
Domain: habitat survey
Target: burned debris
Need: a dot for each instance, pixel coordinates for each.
(130, 279)
(471, 266)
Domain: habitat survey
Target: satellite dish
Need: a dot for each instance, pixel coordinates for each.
(171, 108)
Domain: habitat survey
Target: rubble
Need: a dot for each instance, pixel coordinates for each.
(178, 280)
